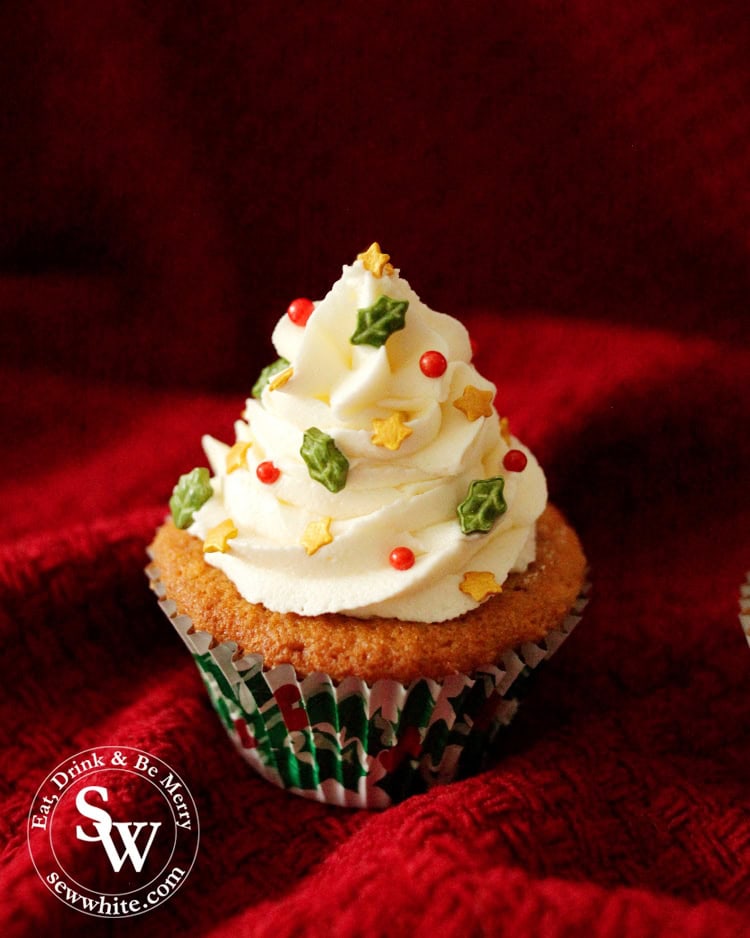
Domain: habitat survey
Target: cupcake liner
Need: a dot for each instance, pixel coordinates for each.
(745, 607)
(357, 744)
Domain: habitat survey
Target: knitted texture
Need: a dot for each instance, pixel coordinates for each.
(571, 181)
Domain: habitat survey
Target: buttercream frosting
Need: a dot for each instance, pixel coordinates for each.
(403, 492)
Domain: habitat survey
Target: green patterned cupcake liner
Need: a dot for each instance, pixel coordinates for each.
(356, 744)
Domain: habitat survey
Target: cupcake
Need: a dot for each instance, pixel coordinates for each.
(371, 573)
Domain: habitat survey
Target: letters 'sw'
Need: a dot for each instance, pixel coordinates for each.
(129, 832)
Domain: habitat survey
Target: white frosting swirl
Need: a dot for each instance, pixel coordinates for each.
(404, 497)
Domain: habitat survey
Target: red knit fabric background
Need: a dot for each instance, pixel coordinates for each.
(569, 179)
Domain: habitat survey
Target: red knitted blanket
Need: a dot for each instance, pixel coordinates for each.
(576, 190)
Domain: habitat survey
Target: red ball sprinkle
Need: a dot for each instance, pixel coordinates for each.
(433, 364)
(514, 460)
(300, 310)
(401, 558)
(267, 473)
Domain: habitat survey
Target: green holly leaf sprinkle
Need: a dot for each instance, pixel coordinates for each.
(192, 490)
(375, 323)
(325, 461)
(268, 372)
(482, 506)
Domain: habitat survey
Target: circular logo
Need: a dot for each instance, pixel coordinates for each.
(113, 832)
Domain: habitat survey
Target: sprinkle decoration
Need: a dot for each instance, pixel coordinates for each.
(376, 261)
(479, 584)
(433, 364)
(515, 460)
(324, 460)
(401, 558)
(267, 472)
(268, 372)
(237, 456)
(280, 379)
(377, 322)
(317, 534)
(217, 538)
(505, 430)
(300, 310)
(474, 403)
(192, 491)
(390, 433)
(483, 505)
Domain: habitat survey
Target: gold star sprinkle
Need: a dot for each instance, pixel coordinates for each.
(237, 456)
(281, 379)
(390, 433)
(479, 585)
(375, 261)
(317, 534)
(216, 538)
(474, 403)
(505, 429)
